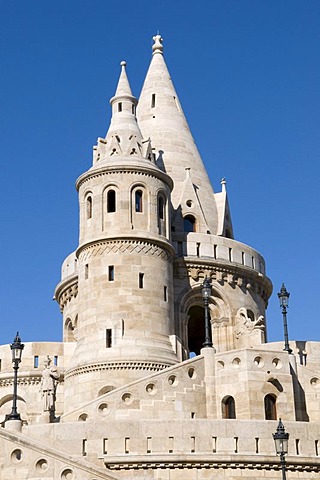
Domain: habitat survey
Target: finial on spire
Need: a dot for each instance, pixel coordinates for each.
(157, 47)
(223, 184)
(123, 63)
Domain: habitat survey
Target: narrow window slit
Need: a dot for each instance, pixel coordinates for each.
(153, 100)
(214, 444)
(105, 446)
(108, 338)
(141, 277)
(257, 445)
(36, 361)
(111, 273)
(127, 445)
(171, 444)
(236, 444)
(165, 294)
(192, 444)
(84, 447)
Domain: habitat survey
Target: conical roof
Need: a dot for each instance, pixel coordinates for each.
(161, 118)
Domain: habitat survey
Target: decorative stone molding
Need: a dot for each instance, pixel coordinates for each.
(243, 464)
(124, 246)
(244, 325)
(22, 381)
(154, 367)
(66, 290)
(233, 275)
(147, 170)
(68, 294)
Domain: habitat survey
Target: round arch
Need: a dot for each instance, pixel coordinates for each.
(191, 313)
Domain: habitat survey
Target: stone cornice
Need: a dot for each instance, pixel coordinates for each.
(213, 461)
(66, 289)
(150, 246)
(148, 170)
(224, 272)
(129, 365)
(7, 381)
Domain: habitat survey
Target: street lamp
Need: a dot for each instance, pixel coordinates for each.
(281, 443)
(206, 292)
(283, 296)
(16, 352)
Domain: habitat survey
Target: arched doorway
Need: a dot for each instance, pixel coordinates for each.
(195, 329)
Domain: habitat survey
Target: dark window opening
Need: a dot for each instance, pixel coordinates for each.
(35, 361)
(270, 407)
(189, 224)
(141, 275)
(161, 208)
(84, 447)
(138, 201)
(86, 271)
(119, 107)
(133, 109)
(165, 293)
(108, 338)
(153, 100)
(228, 233)
(196, 333)
(89, 207)
(111, 273)
(111, 201)
(228, 408)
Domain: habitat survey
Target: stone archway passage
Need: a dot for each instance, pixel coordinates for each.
(195, 329)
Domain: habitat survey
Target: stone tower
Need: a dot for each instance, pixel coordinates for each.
(132, 392)
(151, 230)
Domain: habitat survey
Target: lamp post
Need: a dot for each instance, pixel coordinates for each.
(281, 443)
(206, 292)
(283, 296)
(16, 351)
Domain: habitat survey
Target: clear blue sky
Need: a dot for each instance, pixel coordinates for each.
(247, 74)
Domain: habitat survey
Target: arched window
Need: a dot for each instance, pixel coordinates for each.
(189, 224)
(69, 331)
(161, 208)
(228, 408)
(138, 200)
(111, 201)
(270, 410)
(196, 333)
(89, 207)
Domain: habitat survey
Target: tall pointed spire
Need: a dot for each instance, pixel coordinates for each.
(124, 136)
(161, 118)
(123, 88)
(123, 121)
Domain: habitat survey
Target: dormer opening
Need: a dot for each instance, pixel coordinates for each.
(189, 224)
(228, 233)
